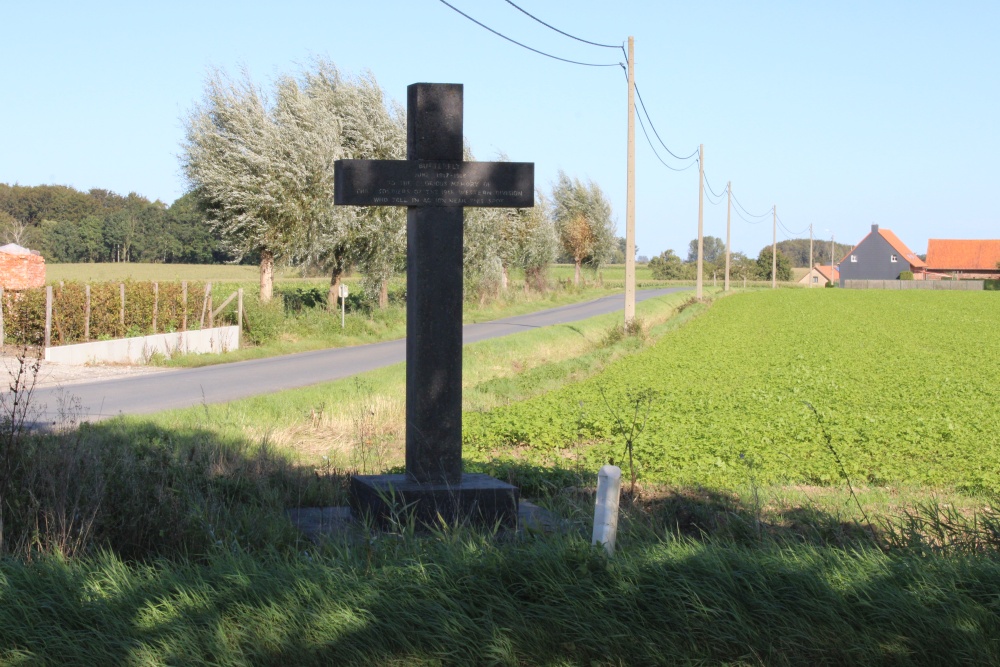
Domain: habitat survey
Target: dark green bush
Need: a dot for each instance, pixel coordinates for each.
(906, 275)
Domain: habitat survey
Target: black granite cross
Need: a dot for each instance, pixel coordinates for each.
(434, 183)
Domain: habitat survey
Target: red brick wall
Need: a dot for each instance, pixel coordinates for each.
(21, 271)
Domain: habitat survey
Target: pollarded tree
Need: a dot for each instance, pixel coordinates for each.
(372, 127)
(583, 221)
(538, 243)
(243, 156)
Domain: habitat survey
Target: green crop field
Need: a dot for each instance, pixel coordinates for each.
(905, 387)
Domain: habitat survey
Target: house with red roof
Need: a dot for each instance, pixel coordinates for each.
(880, 256)
(821, 275)
(963, 258)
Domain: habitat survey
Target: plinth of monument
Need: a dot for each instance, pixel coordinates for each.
(477, 499)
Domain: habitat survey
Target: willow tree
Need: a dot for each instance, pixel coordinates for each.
(583, 221)
(371, 127)
(497, 240)
(261, 168)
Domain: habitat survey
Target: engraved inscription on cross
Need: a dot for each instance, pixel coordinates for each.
(435, 184)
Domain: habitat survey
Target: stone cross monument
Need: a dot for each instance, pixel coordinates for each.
(434, 183)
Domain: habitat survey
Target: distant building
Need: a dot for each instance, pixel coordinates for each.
(21, 268)
(880, 256)
(820, 275)
(963, 258)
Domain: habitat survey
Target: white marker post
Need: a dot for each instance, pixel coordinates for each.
(609, 483)
(343, 303)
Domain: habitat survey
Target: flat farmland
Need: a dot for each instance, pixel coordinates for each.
(905, 387)
(106, 271)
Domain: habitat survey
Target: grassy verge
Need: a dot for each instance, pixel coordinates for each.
(275, 329)
(328, 420)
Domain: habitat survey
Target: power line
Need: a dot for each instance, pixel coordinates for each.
(781, 222)
(653, 148)
(745, 219)
(525, 46)
(712, 192)
(711, 189)
(643, 105)
(606, 46)
(762, 215)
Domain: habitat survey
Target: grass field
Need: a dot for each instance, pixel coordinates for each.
(721, 559)
(115, 271)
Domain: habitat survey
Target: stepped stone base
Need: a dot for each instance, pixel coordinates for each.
(479, 499)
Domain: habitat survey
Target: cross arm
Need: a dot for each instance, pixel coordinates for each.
(433, 183)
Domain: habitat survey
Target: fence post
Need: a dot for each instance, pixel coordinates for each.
(121, 314)
(1, 317)
(156, 303)
(239, 319)
(184, 305)
(204, 303)
(48, 315)
(86, 310)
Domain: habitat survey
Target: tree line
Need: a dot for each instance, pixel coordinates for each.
(668, 265)
(66, 225)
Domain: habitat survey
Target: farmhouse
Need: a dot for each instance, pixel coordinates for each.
(880, 256)
(21, 268)
(963, 258)
(820, 275)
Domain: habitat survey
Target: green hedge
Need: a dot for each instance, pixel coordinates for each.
(24, 311)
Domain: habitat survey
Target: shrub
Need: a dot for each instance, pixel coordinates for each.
(149, 308)
(906, 275)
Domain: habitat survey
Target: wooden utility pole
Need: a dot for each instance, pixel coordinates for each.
(729, 209)
(701, 210)
(630, 195)
(810, 252)
(774, 247)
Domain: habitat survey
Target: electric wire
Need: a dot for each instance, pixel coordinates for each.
(653, 148)
(643, 105)
(606, 46)
(746, 219)
(711, 192)
(780, 222)
(525, 46)
(710, 187)
(762, 215)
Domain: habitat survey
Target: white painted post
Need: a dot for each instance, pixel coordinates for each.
(343, 303)
(609, 483)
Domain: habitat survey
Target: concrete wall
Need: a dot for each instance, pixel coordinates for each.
(138, 350)
(973, 285)
(874, 261)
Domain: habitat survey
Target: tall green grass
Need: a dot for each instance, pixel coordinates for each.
(462, 599)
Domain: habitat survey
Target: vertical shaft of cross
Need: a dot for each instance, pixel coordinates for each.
(434, 296)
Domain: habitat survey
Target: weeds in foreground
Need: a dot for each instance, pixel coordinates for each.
(628, 427)
(843, 471)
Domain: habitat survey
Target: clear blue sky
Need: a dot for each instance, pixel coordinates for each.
(842, 114)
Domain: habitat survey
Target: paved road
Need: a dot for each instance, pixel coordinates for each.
(226, 382)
